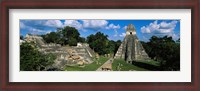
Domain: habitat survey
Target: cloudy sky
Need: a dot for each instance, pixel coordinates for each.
(115, 29)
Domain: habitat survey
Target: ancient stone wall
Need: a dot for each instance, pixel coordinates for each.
(131, 49)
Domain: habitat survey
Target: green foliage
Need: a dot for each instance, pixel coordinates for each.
(137, 66)
(64, 36)
(72, 42)
(70, 36)
(117, 44)
(70, 32)
(52, 37)
(82, 40)
(165, 50)
(33, 60)
(111, 46)
(100, 43)
(178, 41)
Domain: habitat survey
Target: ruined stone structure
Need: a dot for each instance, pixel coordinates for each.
(40, 41)
(131, 49)
(84, 48)
(66, 55)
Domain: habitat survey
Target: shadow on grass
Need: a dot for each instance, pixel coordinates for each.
(146, 66)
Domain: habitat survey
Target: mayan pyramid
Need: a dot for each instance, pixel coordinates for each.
(131, 49)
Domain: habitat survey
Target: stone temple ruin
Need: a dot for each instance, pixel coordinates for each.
(66, 55)
(131, 49)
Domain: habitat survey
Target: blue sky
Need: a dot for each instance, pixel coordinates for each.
(115, 29)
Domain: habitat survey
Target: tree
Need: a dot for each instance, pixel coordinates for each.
(52, 37)
(117, 45)
(111, 46)
(178, 41)
(72, 42)
(82, 40)
(98, 42)
(32, 60)
(165, 50)
(70, 33)
(64, 36)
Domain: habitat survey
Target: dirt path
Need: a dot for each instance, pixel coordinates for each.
(109, 62)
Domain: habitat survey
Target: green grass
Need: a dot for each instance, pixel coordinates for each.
(151, 62)
(89, 67)
(150, 65)
(137, 66)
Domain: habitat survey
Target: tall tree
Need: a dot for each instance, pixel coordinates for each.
(72, 41)
(71, 33)
(165, 50)
(98, 42)
(111, 46)
(64, 36)
(33, 60)
(82, 40)
(117, 45)
(52, 37)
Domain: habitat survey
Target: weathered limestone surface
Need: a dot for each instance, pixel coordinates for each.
(66, 55)
(131, 49)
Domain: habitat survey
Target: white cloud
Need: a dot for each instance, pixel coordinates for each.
(49, 31)
(122, 35)
(112, 26)
(145, 38)
(160, 29)
(54, 23)
(31, 29)
(40, 26)
(73, 23)
(94, 24)
(116, 33)
(145, 30)
(125, 27)
(35, 31)
(168, 25)
(174, 36)
(163, 27)
(22, 25)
